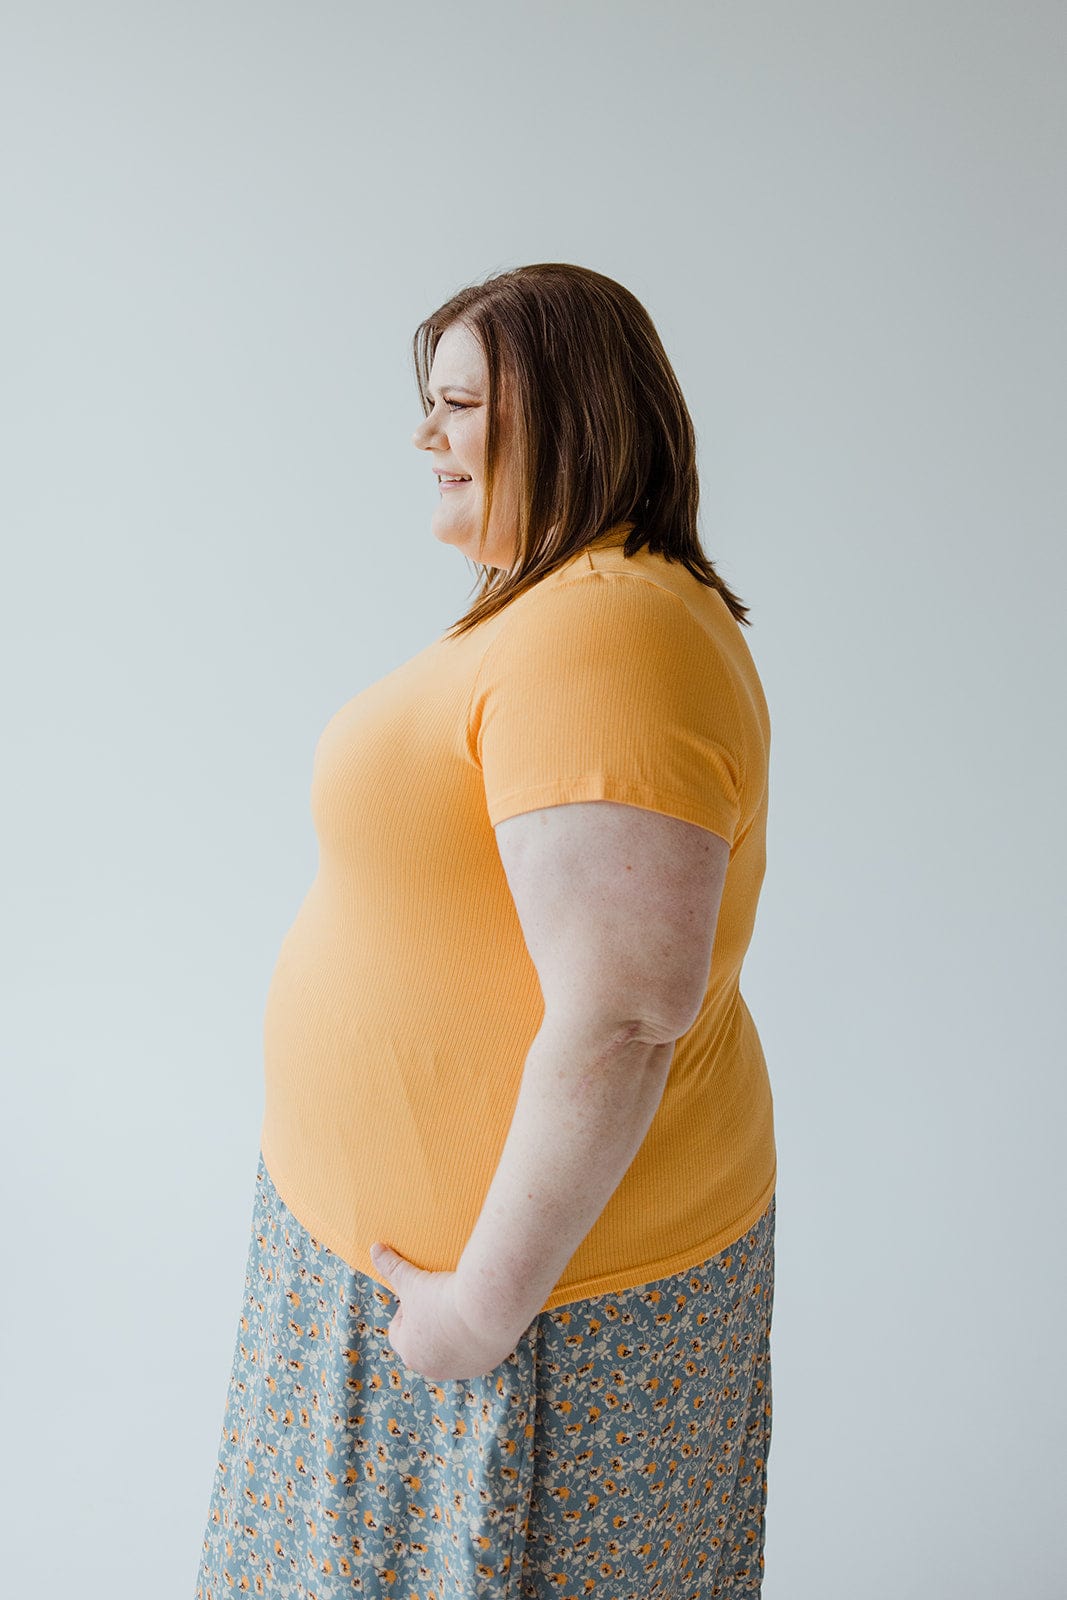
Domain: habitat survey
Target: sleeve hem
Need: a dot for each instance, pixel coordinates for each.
(717, 819)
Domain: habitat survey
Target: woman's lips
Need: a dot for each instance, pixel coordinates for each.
(462, 484)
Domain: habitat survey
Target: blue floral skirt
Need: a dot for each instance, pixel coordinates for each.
(620, 1451)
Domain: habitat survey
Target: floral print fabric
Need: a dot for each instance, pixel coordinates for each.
(619, 1452)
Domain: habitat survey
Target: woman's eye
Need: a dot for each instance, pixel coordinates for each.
(458, 404)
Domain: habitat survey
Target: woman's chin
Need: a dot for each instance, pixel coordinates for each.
(449, 531)
(462, 534)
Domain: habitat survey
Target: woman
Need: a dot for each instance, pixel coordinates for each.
(509, 1288)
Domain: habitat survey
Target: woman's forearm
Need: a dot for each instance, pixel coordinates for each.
(584, 1106)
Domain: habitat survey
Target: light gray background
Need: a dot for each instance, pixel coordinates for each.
(221, 226)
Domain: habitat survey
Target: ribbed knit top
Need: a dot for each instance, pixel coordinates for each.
(404, 1001)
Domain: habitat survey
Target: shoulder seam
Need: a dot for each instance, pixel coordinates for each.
(669, 594)
(563, 583)
(569, 582)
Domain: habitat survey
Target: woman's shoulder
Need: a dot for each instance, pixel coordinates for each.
(644, 591)
(601, 606)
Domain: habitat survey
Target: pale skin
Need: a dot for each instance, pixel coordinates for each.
(618, 907)
(454, 437)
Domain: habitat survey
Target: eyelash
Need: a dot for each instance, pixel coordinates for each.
(458, 403)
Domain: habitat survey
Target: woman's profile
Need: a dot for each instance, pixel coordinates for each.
(507, 1313)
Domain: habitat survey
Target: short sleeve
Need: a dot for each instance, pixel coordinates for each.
(607, 687)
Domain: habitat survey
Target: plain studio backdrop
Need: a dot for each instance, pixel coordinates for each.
(221, 225)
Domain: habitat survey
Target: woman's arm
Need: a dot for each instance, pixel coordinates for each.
(618, 906)
(583, 1109)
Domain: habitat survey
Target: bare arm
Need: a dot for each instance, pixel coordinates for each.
(618, 907)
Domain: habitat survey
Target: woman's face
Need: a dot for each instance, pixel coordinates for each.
(454, 436)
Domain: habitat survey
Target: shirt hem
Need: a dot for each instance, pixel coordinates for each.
(668, 1266)
(615, 1282)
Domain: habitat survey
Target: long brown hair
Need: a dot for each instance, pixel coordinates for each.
(596, 421)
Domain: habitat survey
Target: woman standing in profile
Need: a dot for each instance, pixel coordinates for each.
(509, 1287)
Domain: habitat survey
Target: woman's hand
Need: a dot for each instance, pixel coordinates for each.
(429, 1331)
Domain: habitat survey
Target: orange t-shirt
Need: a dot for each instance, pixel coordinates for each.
(404, 1000)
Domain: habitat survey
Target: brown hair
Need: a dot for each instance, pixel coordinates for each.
(600, 431)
